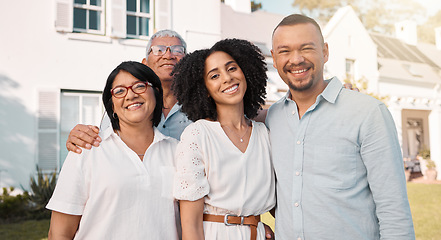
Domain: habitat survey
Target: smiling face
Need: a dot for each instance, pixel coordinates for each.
(163, 65)
(224, 79)
(299, 56)
(134, 108)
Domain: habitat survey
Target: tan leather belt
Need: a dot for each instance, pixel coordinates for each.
(230, 220)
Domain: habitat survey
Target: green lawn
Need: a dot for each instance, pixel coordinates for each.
(425, 203)
(27, 230)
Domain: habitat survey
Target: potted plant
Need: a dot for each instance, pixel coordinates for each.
(431, 172)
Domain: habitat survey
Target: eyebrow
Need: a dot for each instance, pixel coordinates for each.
(304, 44)
(226, 65)
(122, 85)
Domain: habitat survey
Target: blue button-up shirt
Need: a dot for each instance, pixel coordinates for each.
(174, 124)
(339, 169)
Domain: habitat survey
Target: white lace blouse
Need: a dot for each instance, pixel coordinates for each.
(209, 165)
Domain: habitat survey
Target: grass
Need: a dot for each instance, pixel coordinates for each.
(27, 230)
(425, 203)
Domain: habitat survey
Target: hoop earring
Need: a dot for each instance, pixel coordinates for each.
(114, 116)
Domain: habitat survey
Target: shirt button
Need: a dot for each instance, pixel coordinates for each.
(298, 142)
(294, 112)
(163, 126)
(297, 173)
(296, 204)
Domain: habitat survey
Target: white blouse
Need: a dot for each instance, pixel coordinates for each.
(118, 195)
(209, 165)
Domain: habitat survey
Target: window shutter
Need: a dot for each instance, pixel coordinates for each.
(48, 105)
(163, 14)
(64, 15)
(118, 18)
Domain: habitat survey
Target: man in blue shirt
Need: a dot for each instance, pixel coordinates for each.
(164, 49)
(335, 152)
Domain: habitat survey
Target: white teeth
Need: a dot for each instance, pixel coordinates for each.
(231, 89)
(299, 71)
(133, 105)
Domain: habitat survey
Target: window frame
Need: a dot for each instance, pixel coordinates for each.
(80, 94)
(138, 14)
(88, 7)
(350, 73)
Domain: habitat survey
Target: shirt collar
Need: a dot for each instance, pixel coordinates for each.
(175, 108)
(106, 133)
(332, 90)
(330, 93)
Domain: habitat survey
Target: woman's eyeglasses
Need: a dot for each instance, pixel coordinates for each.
(138, 88)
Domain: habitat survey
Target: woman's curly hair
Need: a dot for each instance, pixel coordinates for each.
(189, 86)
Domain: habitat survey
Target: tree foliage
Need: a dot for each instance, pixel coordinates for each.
(255, 6)
(376, 15)
(426, 32)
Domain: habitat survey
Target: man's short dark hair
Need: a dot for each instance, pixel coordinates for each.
(295, 19)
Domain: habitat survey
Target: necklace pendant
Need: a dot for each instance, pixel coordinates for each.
(241, 140)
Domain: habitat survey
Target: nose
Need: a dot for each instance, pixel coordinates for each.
(226, 77)
(168, 54)
(131, 94)
(296, 58)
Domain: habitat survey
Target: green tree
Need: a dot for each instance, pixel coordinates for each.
(361, 85)
(322, 10)
(426, 32)
(376, 15)
(255, 6)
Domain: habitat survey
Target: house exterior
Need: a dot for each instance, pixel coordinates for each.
(408, 73)
(55, 57)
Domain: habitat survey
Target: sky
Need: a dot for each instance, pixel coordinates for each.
(284, 6)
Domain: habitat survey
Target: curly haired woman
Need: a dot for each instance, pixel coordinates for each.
(224, 178)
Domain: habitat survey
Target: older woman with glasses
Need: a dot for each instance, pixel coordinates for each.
(122, 189)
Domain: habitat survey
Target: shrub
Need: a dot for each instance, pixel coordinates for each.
(28, 206)
(14, 208)
(42, 189)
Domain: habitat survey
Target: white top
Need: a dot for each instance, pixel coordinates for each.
(209, 165)
(118, 195)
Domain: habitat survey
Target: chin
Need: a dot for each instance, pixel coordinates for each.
(300, 88)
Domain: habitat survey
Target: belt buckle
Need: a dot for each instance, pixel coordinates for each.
(232, 224)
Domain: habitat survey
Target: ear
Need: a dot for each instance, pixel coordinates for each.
(274, 59)
(144, 61)
(325, 52)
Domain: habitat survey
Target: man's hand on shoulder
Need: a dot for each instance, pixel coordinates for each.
(84, 136)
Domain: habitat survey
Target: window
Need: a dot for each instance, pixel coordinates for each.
(77, 107)
(350, 71)
(138, 18)
(88, 16)
(115, 18)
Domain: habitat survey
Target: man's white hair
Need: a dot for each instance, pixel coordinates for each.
(165, 33)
